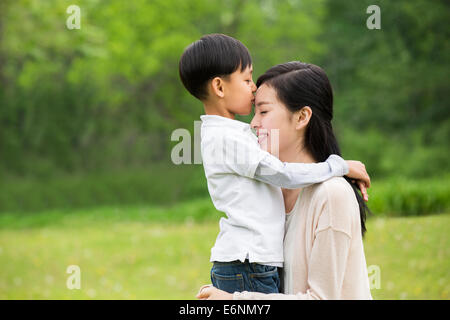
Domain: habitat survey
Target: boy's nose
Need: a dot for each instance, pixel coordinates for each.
(254, 87)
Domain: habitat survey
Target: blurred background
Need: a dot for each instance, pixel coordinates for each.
(86, 117)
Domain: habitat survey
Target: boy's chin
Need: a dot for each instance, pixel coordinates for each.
(245, 112)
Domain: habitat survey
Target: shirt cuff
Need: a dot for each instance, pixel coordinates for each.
(338, 165)
(253, 165)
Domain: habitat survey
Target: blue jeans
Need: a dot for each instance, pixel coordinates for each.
(244, 276)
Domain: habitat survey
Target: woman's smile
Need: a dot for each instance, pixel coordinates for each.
(262, 135)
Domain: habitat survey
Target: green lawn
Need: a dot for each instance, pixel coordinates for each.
(143, 253)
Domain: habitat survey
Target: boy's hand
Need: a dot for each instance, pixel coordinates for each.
(357, 171)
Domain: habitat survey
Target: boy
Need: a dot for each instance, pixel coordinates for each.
(243, 180)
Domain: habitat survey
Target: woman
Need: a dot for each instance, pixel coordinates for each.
(323, 248)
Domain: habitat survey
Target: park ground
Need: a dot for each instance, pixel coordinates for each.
(141, 253)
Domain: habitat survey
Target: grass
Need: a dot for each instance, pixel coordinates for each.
(413, 254)
(157, 253)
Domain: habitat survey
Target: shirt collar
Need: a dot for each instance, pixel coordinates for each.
(215, 120)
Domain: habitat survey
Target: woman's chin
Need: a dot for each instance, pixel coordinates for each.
(263, 145)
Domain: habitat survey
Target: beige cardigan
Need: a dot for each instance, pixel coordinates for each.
(323, 248)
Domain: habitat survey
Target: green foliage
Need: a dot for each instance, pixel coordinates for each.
(157, 184)
(106, 97)
(108, 94)
(389, 156)
(408, 197)
(173, 186)
(391, 105)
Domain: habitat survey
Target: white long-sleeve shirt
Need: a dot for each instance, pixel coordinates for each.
(323, 247)
(236, 170)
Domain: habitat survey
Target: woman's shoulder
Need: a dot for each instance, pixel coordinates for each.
(336, 204)
(336, 188)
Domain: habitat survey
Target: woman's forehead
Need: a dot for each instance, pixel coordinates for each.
(265, 94)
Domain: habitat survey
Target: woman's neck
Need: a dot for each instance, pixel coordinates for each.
(300, 155)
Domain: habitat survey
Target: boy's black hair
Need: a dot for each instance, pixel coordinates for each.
(214, 55)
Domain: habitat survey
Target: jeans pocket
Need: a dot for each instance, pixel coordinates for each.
(267, 281)
(228, 282)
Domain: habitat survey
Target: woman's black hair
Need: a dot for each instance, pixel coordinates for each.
(298, 85)
(212, 56)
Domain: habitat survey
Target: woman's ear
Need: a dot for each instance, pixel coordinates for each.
(302, 117)
(217, 87)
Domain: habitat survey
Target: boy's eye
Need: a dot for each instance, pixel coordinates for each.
(263, 112)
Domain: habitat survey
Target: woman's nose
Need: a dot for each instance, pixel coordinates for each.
(254, 123)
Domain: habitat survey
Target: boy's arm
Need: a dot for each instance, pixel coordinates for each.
(243, 156)
(291, 175)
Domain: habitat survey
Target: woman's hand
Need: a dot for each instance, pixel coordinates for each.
(357, 171)
(212, 293)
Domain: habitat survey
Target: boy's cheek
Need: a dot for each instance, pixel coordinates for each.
(250, 107)
(247, 111)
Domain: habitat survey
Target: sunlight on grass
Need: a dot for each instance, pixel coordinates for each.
(413, 255)
(129, 259)
(117, 261)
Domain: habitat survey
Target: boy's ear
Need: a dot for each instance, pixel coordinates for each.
(302, 117)
(217, 87)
